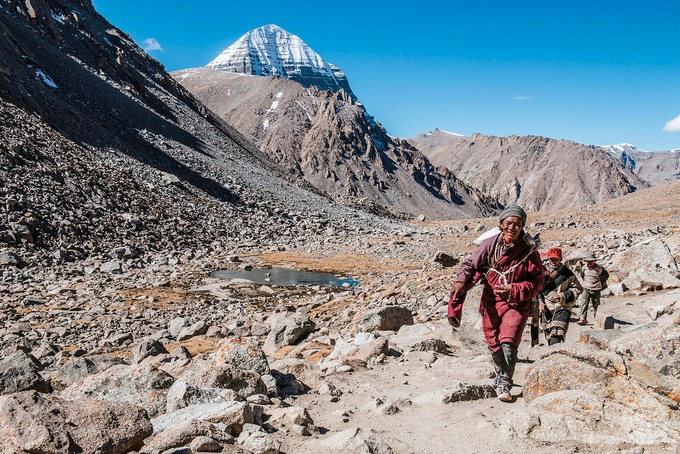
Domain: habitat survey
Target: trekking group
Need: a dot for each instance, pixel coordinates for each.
(518, 285)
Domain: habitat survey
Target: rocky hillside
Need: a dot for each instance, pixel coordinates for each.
(536, 172)
(101, 149)
(330, 141)
(654, 167)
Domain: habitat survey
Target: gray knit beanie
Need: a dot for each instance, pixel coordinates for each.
(514, 211)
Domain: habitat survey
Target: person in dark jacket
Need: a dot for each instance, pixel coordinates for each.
(558, 295)
(509, 266)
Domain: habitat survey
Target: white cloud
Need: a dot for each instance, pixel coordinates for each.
(151, 44)
(672, 125)
(521, 98)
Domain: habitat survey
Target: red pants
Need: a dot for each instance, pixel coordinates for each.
(502, 324)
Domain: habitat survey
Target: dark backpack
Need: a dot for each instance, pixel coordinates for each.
(603, 278)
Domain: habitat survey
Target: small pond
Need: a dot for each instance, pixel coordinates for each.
(286, 277)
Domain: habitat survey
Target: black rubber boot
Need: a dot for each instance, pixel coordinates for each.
(534, 335)
(509, 359)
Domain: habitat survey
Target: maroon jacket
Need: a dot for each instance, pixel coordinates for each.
(522, 268)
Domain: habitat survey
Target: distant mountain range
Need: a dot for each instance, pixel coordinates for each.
(325, 137)
(536, 172)
(655, 167)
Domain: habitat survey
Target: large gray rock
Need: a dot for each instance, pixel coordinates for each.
(146, 386)
(74, 371)
(418, 337)
(21, 372)
(207, 374)
(648, 255)
(614, 386)
(32, 422)
(351, 440)
(580, 415)
(182, 434)
(287, 370)
(233, 414)
(242, 353)
(389, 318)
(146, 348)
(182, 394)
(287, 328)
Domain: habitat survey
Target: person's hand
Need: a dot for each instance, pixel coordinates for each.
(503, 291)
(541, 308)
(457, 288)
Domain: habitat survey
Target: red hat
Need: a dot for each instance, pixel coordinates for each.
(555, 253)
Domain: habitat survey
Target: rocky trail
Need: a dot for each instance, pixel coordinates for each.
(231, 366)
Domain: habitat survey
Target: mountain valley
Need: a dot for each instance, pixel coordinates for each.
(124, 188)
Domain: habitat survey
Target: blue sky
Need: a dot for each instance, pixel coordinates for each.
(595, 72)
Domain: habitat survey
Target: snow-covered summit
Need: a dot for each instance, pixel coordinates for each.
(272, 51)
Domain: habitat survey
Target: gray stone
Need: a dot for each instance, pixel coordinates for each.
(113, 267)
(141, 385)
(33, 422)
(21, 372)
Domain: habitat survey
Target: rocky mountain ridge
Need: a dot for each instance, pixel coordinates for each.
(141, 165)
(328, 140)
(306, 145)
(535, 172)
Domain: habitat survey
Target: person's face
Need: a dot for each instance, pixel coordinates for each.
(554, 261)
(511, 228)
(591, 265)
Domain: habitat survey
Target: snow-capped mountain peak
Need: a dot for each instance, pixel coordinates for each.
(272, 51)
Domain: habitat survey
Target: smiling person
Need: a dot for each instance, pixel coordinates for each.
(509, 266)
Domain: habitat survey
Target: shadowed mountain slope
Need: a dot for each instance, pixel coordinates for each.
(330, 141)
(100, 147)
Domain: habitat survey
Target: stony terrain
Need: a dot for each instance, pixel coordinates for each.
(370, 369)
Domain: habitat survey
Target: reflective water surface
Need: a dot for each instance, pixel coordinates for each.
(286, 277)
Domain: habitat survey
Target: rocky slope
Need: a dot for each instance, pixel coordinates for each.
(536, 172)
(328, 140)
(141, 164)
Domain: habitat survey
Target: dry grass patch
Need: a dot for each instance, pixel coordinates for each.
(156, 297)
(195, 345)
(355, 264)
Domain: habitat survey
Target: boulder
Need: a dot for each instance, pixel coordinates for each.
(33, 422)
(287, 329)
(207, 374)
(242, 353)
(21, 372)
(146, 386)
(388, 318)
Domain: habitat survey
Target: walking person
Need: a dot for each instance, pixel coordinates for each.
(594, 279)
(560, 291)
(509, 267)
